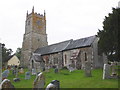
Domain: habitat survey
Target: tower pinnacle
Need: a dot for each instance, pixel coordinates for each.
(33, 9)
(27, 13)
(44, 15)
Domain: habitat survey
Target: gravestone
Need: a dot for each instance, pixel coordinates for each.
(5, 74)
(39, 81)
(56, 70)
(113, 69)
(27, 75)
(88, 69)
(70, 68)
(13, 71)
(21, 70)
(37, 73)
(16, 74)
(6, 84)
(55, 85)
(106, 71)
(34, 72)
(16, 79)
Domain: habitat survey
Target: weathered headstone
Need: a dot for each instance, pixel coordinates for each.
(16, 79)
(5, 74)
(16, 74)
(34, 72)
(88, 69)
(27, 75)
(21, 70)
(56, 70)
(113, 69)
(39, 82)
(70, 68)
(6, 84)
(55, 85)
(13, 71)
(106, 71)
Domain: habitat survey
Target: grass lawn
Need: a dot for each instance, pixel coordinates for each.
(75, 79)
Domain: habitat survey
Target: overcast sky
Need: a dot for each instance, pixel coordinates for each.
(66, 19)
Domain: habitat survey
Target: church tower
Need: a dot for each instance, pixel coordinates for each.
(35, 35)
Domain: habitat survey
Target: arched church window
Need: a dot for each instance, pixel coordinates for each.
(65, 58)
(85, 56)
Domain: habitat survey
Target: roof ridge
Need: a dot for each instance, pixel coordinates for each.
(60, 42)
(83, 38)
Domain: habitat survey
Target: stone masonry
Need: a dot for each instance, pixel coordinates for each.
(35, 35)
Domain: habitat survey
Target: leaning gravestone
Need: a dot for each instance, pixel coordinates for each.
(39, 82)
(6, 84)
(33, 71)
(55, 85)
(27, 75)
(5, 74)
(88, 69)
(106, 71)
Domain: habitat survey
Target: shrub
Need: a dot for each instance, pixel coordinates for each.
(65, 68)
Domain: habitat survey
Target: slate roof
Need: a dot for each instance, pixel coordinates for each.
(66, 45)
(83, 42)
(53, 48)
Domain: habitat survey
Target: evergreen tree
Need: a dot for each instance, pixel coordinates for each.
(108, 43)
(6, 54)
(18, 53)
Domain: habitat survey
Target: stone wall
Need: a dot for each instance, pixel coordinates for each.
(53, 60)
(81, 57)
(25, 56)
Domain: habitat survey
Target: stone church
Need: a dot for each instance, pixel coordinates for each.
(37, 54)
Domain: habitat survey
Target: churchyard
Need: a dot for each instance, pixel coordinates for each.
(74, 79)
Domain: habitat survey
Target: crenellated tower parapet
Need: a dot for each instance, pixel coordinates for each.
(35, 35)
